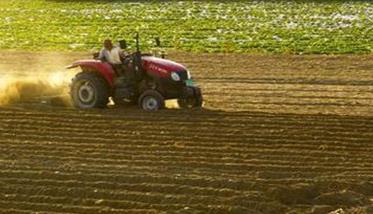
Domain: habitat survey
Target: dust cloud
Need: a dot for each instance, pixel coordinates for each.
(35, 79)
(42, 88)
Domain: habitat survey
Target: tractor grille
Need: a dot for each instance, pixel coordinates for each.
(183, 75)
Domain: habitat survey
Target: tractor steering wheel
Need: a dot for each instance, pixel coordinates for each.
(127, 58)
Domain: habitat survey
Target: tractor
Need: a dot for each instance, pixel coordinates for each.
(153, 80)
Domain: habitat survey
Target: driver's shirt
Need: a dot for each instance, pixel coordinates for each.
(111, 56)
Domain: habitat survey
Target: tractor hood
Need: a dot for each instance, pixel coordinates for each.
(160, 65)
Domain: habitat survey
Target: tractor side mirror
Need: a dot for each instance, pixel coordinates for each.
(157, 42)
(158, 45)
(123, 44)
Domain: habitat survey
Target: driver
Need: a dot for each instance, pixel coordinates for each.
(113, 55)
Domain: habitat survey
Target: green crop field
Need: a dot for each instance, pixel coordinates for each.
(201, 26)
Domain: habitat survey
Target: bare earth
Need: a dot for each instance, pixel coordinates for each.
(278, 134)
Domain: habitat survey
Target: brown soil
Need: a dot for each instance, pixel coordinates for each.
(278, 134)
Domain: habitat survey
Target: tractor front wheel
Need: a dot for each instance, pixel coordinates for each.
(192, 102)
(89, 90)
(151, 100)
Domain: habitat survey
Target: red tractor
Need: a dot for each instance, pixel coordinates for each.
(153, 80)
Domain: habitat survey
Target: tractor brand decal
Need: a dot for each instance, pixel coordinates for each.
(156, 68)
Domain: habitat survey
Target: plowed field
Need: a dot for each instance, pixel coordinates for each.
(277, 134)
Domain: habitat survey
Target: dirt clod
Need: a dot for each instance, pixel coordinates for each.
(344, 197)
(295, 194)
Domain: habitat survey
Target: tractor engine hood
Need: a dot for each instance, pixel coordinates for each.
(161, 66)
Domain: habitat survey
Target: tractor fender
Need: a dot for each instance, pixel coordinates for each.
(103, 68)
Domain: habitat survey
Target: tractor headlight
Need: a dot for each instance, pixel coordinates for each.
(175, 76)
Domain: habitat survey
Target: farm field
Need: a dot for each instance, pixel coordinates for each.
(198, 26)
(278, 134)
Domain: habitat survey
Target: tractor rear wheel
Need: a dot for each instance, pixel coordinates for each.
(151, 100)
(89, 90)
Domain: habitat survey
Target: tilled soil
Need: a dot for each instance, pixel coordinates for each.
(277, 134)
